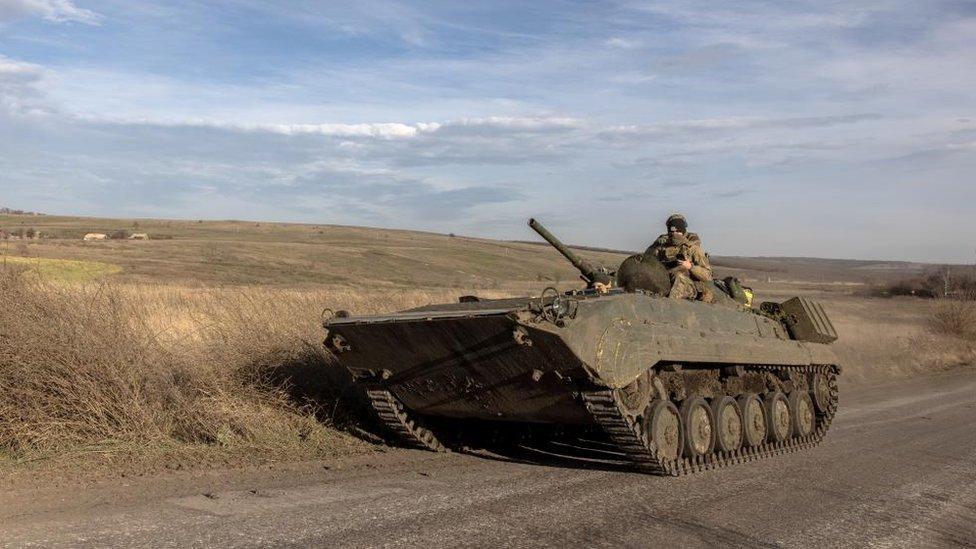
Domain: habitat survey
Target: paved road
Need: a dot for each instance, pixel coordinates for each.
(898, 469)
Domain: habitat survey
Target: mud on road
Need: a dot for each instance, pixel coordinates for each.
(898, 469)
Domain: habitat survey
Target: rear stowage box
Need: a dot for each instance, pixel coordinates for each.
(807, 321)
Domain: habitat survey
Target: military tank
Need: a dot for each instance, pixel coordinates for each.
(676, 386)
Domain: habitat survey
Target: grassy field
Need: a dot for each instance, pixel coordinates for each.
(289, 255)
(202, 345)
(65, 270)
(207, 253)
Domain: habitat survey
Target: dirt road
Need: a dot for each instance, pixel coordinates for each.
(898, 469)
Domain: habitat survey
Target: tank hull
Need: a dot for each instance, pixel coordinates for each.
(467, 366)
(574, 359)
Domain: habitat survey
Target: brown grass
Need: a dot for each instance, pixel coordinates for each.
(882, 339)
(163, 372)
(955, 318)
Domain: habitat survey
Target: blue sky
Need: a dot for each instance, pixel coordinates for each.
(821, 128)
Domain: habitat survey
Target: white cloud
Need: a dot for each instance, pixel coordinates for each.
(733, 123)
(623, 43)
(791, 17)
(12, 66)
(526, 123)
(17, 73)
(391, 130)
(18, 87)
(372, 130)
(58, 11)
(967, 147)
(397, 130)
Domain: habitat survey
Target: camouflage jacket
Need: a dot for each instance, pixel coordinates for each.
(669, 248)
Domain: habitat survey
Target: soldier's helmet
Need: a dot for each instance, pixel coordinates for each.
(678, 222)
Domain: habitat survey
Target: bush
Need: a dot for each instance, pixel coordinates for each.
(119, 235)
(960, 281)
(105, 367)
(147, 374)
(955, 318)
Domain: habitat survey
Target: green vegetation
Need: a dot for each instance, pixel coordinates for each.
(62, 270)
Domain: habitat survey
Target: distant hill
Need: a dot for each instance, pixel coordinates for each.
(814, 269)
(294, 254)
(800, 269)
(575, 247)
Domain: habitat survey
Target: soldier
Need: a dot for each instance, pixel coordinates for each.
(681, 252)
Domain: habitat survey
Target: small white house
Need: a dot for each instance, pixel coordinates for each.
(139, 236)
(95, 236)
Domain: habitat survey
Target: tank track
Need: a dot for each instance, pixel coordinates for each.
(406, 430)
(626, 432)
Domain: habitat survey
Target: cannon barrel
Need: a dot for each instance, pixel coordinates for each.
(591, 273)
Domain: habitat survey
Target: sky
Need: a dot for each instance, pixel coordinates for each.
(787, 128)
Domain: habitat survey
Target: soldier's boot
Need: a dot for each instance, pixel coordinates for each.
(704, 292)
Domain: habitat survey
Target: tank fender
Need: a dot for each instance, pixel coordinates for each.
(625, 351)
(617, 339)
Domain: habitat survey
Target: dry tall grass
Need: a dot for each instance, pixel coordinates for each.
(156, 371)
(162, 373)
(956, 318)
(883, 339)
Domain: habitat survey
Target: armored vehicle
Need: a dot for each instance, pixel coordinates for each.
(676, 386)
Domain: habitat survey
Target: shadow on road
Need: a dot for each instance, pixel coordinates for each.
(571, 450)
(314, 380)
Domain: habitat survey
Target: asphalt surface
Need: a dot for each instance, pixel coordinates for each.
(897, 469)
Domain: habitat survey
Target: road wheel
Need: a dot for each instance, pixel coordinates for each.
(663, 425)
(728, 423)
(699, 427)
(637, 394)
(753, 419)
(801, 410)
(778, 416)
(820, 391)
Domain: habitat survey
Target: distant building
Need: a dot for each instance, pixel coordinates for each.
(11, 211)
(95, 236)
